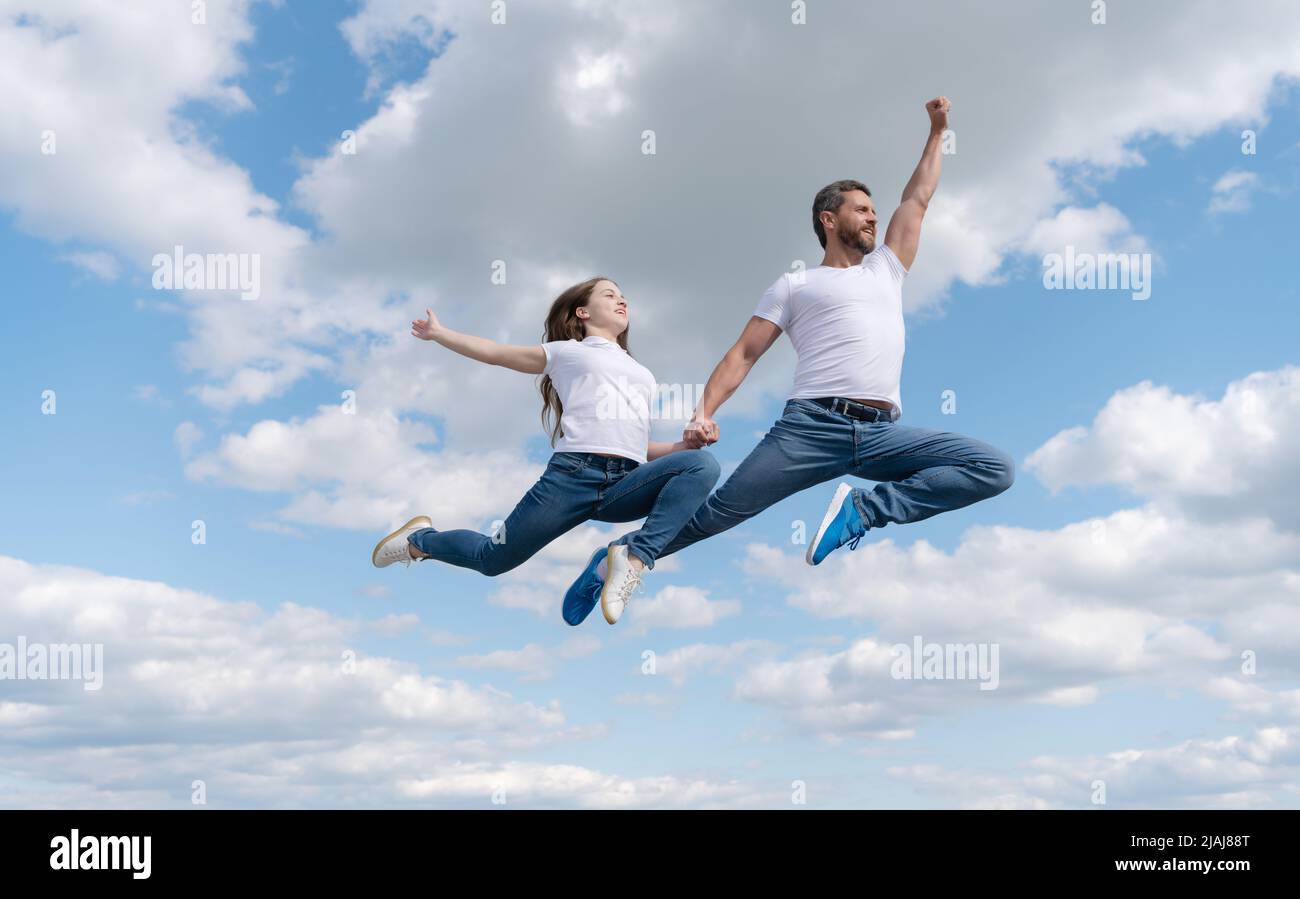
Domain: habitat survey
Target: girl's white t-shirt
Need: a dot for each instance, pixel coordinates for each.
(606, 396)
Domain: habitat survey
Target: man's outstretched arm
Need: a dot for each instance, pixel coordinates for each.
(904, 232)
(754, 341)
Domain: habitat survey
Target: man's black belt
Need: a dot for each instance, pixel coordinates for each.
(860, 411)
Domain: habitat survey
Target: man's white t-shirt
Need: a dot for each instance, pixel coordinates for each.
(606, 396)
(846, 325)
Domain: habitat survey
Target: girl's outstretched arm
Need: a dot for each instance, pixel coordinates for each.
(528, 359)
(657, 449)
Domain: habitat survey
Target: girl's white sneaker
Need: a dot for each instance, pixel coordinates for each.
(621, 581)
(395, 548)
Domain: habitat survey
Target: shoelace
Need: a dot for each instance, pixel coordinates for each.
(406, 558)
(853, 544)
(631, 584)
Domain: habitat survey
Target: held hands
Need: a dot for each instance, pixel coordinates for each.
(426, 328)
(938, 110)
(700, 432)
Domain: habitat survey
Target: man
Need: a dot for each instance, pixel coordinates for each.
(845, 319)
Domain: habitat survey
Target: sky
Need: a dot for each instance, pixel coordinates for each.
(194, 481)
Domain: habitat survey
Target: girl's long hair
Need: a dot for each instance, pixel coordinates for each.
(562, 323)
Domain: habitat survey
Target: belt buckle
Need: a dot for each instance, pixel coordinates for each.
(874, 412)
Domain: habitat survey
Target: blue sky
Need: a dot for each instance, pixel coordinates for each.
(102, 486)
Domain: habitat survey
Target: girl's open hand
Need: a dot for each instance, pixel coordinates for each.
(425, 328)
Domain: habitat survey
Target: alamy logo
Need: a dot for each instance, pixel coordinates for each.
(946, 661)
(78, 853)
(626, 401)
(53, 661)
(209, 271)
(1098, 271)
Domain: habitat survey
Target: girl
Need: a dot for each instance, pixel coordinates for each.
(596, 406)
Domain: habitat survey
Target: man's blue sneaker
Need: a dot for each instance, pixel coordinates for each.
(841, 525)
(585, 591)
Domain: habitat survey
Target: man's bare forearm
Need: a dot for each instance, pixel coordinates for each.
(722, 383)
(925, 179)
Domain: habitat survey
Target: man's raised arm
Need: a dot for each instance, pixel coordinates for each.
(904, 232)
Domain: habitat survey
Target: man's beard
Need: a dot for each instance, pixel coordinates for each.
(857, 240)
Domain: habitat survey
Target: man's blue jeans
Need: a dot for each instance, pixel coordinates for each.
(578, 487)
(922, 472)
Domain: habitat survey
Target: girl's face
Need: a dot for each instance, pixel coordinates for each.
(606, 309)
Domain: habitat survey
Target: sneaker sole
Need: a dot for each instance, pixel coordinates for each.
(566, 595)
(422, 520)
(604, 588)
(837, 500)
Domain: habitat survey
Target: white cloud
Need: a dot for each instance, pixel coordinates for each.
(101, 265)
(249, 702)
(679, 664)
(643, 699)
(592, 91)
(145, 497)
(1208, 457)
(395, 625)
(1100, 229)
(1255, 700)
(1259, 770)
(1233, 192)
(276, 527)
(534, 662)
(186, 435)
(197, 662)
(542, 784)
(126, 177)
(1134, 597)
(366, 469)
(681, 607)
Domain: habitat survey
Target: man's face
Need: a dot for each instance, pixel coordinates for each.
(855, 222)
